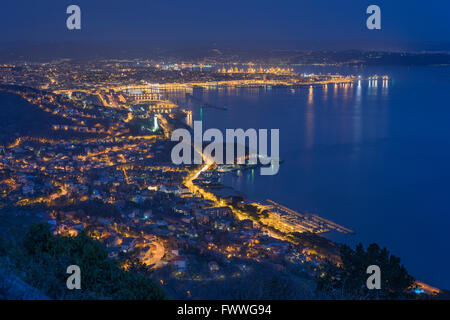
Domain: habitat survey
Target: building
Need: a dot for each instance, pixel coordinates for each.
(128, 244)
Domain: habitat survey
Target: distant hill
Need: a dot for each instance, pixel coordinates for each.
(20, 118)
(14, 288)
(307, 52)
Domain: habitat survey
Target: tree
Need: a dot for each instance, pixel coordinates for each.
(348, 280)
(43, 259)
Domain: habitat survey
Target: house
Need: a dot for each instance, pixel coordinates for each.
(134, 213)
(169, 189)
(78, 227)
(186, 220)
(219, 212)
(223, 224)
(28, 189)
(191, 233)
(53, 226)
(183, 189)
(147, 215)
(179, 263)
(139, 199)
(243, 267)
(187, 195)
(201, 216)
(113, 241)
(113, 252)
(213, 266)
(277, 248)
(161, 223)
(181, 210)
(128, 244)
(247, 224)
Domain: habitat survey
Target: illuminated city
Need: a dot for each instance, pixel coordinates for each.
(85, 160)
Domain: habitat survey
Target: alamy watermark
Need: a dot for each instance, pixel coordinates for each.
(74, 280)
(374, 20)
(73, 21)
(235, 139)
(374, 280)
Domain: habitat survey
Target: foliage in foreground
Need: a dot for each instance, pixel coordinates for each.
(349, 279)
(42, 260)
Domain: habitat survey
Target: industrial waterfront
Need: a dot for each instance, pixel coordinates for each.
(371, 157)
(109, 145)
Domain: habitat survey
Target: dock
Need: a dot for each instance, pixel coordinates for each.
(311, 222)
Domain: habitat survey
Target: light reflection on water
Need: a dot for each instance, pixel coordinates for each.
(372, 156)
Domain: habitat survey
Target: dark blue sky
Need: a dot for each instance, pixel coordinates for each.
(244, 22)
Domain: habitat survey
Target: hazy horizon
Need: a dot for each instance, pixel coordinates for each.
(289, 25)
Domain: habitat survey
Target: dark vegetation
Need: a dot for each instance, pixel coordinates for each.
(317, 243)
(140, 127)
(23, 119)
(41, 260)
(96, 208)
(349, 280)
(20, 118)
(35, 264)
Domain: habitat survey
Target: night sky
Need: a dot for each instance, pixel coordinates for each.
(231, 22)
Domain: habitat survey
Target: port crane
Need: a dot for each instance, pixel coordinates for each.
(204, 104)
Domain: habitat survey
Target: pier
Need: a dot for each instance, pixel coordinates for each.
(309, 222)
